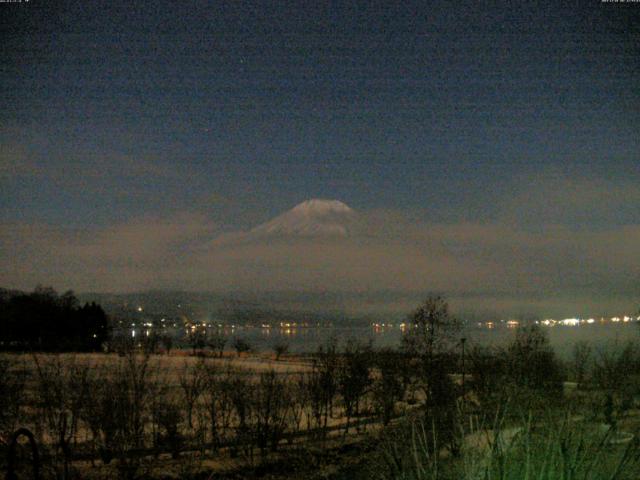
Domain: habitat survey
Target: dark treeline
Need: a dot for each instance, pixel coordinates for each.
(43, 320)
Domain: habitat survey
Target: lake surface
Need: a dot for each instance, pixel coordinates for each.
(307, 339)
(562, 338)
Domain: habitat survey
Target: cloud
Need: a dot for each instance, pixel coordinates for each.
(15, 162)
(92, 172)
(138, 254)
(579, 201)
(495, 265)
(463, 258)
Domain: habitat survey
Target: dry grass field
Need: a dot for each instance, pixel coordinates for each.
(104, 415)
(333, 414)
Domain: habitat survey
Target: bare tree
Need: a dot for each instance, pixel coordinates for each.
(217, 342)
(240, 392)
(580, 361)
(280, 347)
(167, 414)
(62, 388)
(322, 384)
(270, 408)
(192, 382)
(217, 402)
(299, 402)
(388, 387)
(197, 339)
(150, 342)
(167, 342)
(488, 370)
(531, 362)
(241, 345)
(430, 341)
(13, 378)
(430, 338)
(613, 375)
(120, 409)
(354, 377)
(432, 330)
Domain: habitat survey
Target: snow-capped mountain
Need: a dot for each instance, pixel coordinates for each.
(312, 218)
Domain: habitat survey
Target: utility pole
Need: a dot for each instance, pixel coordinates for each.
(462, 342)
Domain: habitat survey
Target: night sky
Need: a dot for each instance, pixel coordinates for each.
(498, 143)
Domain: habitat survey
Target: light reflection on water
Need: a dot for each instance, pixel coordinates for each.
(307, 339)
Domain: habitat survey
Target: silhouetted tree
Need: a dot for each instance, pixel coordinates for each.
(62, 391)
(487, 367)
(167, 342)
(280, 347)
(241, 345)
(192, 382)
(217, 342)
(430, 341)
(322, 383)
(269, 408)
(531, 362)
(614, 373)
(353, 377)
(42, 320)
(432, 330)
(580, 360)
(13, 378)
(388, 387)
(197, 339)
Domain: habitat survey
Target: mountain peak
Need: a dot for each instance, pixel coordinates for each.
(311, 218)
(320, 206)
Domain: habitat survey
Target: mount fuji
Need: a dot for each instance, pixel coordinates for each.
(311, 218)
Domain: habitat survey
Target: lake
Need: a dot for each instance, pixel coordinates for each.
(307, 339)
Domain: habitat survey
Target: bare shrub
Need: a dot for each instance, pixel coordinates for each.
(299, 403)
(120, 411)
(13, 378)
(354, 377)
(526, 373)
(614, 375)
(388, 387)
(241, 345)
(62, 387)
(168, 416)
(531, 362)
(488, 373)
(580, 362)
(192, 383)
(270, 404)
(240, 391)
(197, 339)
(218, 402)
(322, 384)
(217, 341)
(150, 343)
(167, 342)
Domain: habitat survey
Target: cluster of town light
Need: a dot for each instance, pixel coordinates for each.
(573, 322)
(288, 327)
(382, 326)
(547, 322)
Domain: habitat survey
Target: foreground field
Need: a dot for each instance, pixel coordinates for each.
(350, 413)
(105, 415)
